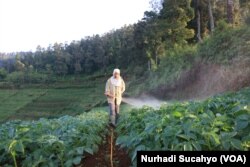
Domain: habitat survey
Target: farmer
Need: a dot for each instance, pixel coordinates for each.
(114, 89)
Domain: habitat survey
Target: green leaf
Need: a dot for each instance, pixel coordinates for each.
(19, 147)
(150, 128)
(228, 135)
(236, 144)
(226, 145)
(243, 117)
(218, 123)
(210, 114)
(246, 138)
(23, 129)
(80, 150)
(240, 112)
(188, 147)
(215, 137)
(134, 155)
(236, 109)
(185, 137)
(196, 145)
(12, 146)
(121, 139)
(191, 116)
(157, 137)
(77, 160)
(140, 148)
(177, 114)
(89, 150)
(69, 163)
(241, 124)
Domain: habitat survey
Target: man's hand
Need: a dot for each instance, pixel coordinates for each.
(109, 95)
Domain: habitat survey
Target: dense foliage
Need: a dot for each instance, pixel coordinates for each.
(218, 123)
(51, 142)
(224, 47)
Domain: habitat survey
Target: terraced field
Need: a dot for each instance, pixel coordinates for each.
(14, 100)
(34, 103)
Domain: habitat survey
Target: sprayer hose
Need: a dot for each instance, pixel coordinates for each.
(111, 147)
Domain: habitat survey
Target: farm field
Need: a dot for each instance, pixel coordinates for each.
(14, 100)
(221, 122)
(51, 102)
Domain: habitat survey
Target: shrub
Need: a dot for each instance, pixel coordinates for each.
(28, 77)
(3, 73)
(16, 77)
(225, 44)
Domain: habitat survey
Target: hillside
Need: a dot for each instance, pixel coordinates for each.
(219, 64)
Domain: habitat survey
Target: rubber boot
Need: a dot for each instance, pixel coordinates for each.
(116, 118)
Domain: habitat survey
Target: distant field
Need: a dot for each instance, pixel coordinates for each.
(34, 103)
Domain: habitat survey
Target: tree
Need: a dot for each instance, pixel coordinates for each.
(211, 16)
(3, 73)
(60, 64)
(198, 19)
(19, 66)
(154, 43)
(230, 7)
(148, 39)
(139, 38)
(78, 67)
(164, 30)
(245, 10)
(38, 61)
(173, 21)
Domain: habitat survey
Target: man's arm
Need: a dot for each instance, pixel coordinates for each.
(107, 89)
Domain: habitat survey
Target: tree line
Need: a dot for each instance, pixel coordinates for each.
(169, 25)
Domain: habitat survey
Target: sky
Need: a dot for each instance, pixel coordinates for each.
(25, 24)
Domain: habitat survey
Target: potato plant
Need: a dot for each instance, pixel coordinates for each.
(218, 123)
(51, 142)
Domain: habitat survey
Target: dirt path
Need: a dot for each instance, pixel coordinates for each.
(106, 157)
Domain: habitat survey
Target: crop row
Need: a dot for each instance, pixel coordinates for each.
(51, 142)
(218, 123)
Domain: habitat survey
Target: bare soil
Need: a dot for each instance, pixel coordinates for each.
(102, 158)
